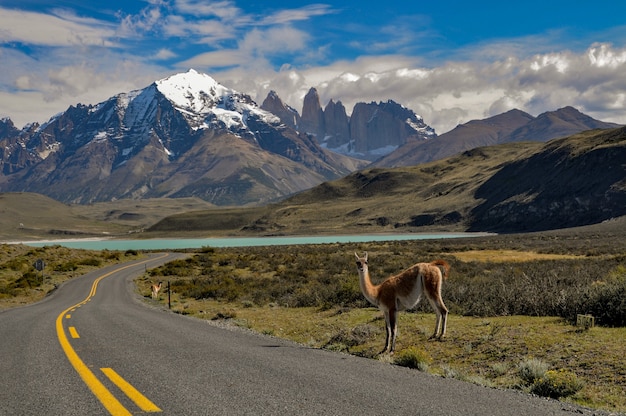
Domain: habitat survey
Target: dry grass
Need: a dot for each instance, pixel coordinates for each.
(507, 256)
(21, 284)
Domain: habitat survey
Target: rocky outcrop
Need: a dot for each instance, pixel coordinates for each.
(377, 129)
(373, 130)
(337, 125)
(287, 114)
(312, 119)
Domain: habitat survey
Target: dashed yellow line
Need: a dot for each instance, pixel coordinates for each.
(98, 389)
(73, 332)
(107, 399)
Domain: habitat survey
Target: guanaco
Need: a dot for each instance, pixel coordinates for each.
(404, 291)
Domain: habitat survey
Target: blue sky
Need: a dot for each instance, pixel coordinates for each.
(449, 61)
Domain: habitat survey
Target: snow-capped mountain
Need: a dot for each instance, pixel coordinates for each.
(185, 135)
(205, 103)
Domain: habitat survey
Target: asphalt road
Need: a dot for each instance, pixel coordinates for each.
(69, 355)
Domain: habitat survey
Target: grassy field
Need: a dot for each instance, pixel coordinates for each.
(310, 294)
(29, 216)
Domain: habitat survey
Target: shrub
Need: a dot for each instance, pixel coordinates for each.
(90, 261)
(556, 384)
(69, 266)
(226, 314)
(413, 357)
(345, 339)
(324, 276)
(531, 370)
(606, 301)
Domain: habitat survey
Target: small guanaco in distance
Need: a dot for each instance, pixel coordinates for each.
(404, 291)
(155, 290)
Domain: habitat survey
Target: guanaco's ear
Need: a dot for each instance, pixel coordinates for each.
(357, 256)
(366, 256)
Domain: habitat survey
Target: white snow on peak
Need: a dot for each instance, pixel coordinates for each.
(193, 91)
(198, 97)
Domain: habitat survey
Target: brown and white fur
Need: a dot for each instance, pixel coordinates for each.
(155, 290)
(404, 291)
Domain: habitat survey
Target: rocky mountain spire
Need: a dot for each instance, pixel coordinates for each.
(287, 114)
(312, 121)
(337, 125)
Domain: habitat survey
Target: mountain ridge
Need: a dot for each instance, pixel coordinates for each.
(131, 146)
(189, 136)
(511, 126)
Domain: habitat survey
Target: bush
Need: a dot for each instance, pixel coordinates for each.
(556, 384)
(90, 261)
(413, 357)
(531, 370)
(358, 335)
(69, 266)
(606, 301)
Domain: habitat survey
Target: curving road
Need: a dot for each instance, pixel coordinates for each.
(93, 348)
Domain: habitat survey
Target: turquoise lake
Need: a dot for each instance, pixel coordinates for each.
(182, 243)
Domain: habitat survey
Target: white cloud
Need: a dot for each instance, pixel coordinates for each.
(74, 59)
(53, 30)
(225, 10)
(164, 53)
(594, 81)
(292, 15)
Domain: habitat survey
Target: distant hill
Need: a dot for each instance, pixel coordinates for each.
(512, 187)
(26, 216)
(30, 216)
(512, 126)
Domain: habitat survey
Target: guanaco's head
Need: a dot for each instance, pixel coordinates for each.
(361, 262)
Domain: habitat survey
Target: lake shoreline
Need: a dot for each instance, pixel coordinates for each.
(103, 243)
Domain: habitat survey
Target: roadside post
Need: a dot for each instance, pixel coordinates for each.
(39, 266)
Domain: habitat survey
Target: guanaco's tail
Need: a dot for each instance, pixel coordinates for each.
(445, 267)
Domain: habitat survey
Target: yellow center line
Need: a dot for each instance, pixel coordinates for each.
(107, 399)
(140, 400)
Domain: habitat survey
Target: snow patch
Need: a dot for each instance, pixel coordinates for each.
(51, 148)
(100, 136)
(201, 99)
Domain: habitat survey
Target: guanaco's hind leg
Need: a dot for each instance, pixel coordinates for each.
(442, 317)
(432, 287)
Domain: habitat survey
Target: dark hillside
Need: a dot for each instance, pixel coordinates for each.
(575, 181)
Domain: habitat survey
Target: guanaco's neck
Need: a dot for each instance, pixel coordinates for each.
(370, 291)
